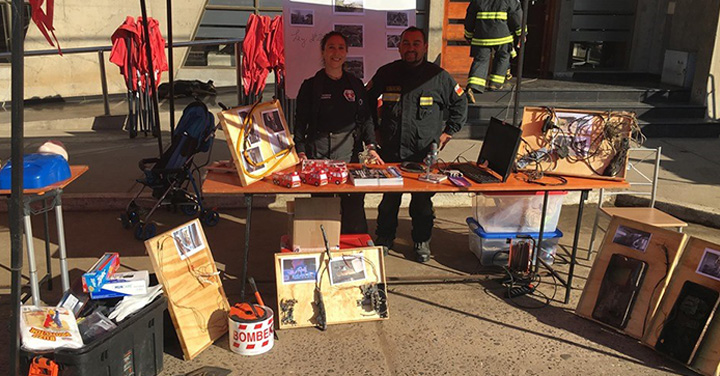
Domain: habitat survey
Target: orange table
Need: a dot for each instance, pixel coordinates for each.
(53, 192)
(229, 183)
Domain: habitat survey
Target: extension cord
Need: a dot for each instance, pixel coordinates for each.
(521, 290)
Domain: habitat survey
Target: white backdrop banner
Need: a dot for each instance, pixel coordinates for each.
(373, 28)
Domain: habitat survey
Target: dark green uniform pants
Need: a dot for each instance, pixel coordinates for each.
(477, 79)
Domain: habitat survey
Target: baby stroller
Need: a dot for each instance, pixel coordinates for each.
(172, 177)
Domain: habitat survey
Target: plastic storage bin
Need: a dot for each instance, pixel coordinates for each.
(517, 211)
(134, 348)
(486, 246)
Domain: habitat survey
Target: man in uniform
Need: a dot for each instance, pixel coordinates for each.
(415, 93)
(488, 26)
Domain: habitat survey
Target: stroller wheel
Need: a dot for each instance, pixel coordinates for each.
(189, 209)
(145, 231)
(133, 216)
(125, 221)
(211, 218)
(139, 231)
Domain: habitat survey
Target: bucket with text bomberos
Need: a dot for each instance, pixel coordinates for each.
(251, 329)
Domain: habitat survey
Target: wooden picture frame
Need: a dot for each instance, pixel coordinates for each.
(602, 152)
(705, 358)
(197, 303)
(261, 146)
(340, 282)
(656, 276)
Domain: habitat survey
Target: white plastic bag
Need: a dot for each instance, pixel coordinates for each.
(48, 328)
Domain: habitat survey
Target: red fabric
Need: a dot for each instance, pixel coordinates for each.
(120, 50)
(138, 70)
(276, 48)
(44, 20)
(263, 51)
(255, 62)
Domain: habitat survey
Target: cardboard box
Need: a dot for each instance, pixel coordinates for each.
(123, 284)
(310, 213)
(99, 273)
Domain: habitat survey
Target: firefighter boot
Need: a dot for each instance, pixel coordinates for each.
(422, 250)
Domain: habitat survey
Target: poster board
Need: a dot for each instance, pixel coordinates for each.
(373, 27)
(197, 303)
(265, 140)
(700, 264)
(344, 301)
(657, 274)
(590, 152)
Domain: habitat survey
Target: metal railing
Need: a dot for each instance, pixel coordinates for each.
(100, 50)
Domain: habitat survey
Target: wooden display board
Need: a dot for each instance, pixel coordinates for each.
(700, 263)
(592, 136)
(298, 274)
(656, 275)
(185, 267)
(261, 145)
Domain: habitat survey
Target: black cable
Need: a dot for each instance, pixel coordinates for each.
(667, 271)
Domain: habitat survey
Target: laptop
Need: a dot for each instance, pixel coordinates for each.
(498, 149)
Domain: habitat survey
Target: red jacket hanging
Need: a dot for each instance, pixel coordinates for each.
(44, 20)
(276, 48)
(255, 63)
(124, 55)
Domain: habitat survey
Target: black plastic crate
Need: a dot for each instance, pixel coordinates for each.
(134, 348)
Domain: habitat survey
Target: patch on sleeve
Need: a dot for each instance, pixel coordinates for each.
(458, 90)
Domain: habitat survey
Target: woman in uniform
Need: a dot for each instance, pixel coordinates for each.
(332, 121)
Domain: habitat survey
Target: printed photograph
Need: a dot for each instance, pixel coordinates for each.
(302, 17)
(346, 270)
(354, 34)
(253, 136)
(632, 238)
(255, 155)
(710, 264)
(278, 142)
(400, 20)
(356, 66)
(188, 240)
(300, 269)
(393, 41)
(578, 146)
(272, 121)
(349, 7)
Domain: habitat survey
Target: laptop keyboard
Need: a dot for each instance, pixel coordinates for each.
(476, 173)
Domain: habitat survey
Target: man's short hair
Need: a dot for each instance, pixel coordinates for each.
(412, 29)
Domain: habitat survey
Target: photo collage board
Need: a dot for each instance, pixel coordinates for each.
(351, 283)
(372, 28)
(261, 147)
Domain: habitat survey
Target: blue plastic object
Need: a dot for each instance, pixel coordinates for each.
(39, 170)
(509, 235)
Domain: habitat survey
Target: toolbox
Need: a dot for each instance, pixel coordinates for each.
(134, 348)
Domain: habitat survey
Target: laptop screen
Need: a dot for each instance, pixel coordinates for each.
(500, 147)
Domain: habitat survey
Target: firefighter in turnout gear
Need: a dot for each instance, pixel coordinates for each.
(489, 27)
(415, 95)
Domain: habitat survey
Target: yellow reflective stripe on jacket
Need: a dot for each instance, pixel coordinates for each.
(518, 32)
(513, 53)
(426, 101)
(497, 79)
(391, 97)
(476, 81)
(491, 16)
(468, 34)
(492, 42)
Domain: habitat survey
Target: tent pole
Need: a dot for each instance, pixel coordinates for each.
(16, 193)
(171, 73)
(151, 69)
(521, 60)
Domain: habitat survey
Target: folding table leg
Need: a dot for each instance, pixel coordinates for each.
(248, 205)
(48, 260)
(573, 255)
(64, 278)
(34, 288)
